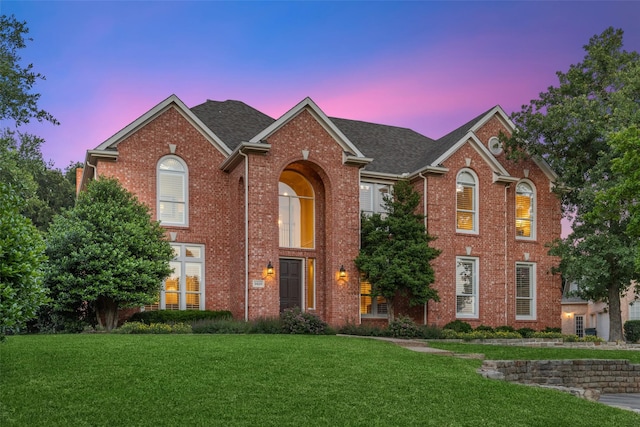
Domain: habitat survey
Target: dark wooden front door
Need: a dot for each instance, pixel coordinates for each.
(290, 283)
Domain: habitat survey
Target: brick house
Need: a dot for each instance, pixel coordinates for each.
(264, 213)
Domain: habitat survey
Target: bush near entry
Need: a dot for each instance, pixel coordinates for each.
(632, 330)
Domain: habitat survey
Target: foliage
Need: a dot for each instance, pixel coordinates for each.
(395, 255)
(404, 327)
(485, 328)
(364, 330)
(16, 82)
(579, 127)
(526, 332)
(458, 326)
(153, 328)
(104, 254)
(221, 326)
(547, 335)
(632, 330)
(21, 256)
(505, 328)
(175, 316)
(551, 329)
(480, 335)
(295, 321)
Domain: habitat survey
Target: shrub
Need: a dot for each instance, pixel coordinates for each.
(553, 330)
(458, 326)
(547, 335)
(154, 328)
(505, 328)
(591, 338)
(632, 330)
(484, 328)
(363, 330)
(570, 338)
(176, 316)
(403, 327)
(526, 332)
(295, 321)
(430, 332)
(220, 326)
(266, 325)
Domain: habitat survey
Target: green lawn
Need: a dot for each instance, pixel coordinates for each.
(262, 380)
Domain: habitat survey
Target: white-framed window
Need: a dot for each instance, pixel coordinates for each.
(172, 194)
(296, 220)
(525, 210)
(184, 288)
(525, 291)
(634, 310)
(372, 197)
(466, 287)
(495, 146)
(580, 326)
(371, 306)
(466, 202)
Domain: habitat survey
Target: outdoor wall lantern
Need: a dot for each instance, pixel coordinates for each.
(269, 269)
(343, 272)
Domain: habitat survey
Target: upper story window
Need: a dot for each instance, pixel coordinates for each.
(296, 215)
(172, 191)
(372, 197)
(466, 202)
(525, 210)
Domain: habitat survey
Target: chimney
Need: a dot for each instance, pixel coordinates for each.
(78, 179)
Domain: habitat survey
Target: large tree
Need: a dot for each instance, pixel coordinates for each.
(572, 126)
(105, 253)
(395, 256)
(21, 257)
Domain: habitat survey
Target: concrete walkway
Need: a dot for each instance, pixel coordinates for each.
(628, 401)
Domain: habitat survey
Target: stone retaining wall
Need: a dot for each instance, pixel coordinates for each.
(600, 375)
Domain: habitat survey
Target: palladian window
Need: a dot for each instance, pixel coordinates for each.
(296, 214)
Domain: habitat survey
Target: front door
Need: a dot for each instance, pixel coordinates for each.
(290, 283)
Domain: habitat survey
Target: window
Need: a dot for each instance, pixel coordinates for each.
(467, 287)
(495, 146)
(525, 291)
(184, 288)
(371, 306)
(172, 191)
(634, 310)
(466, 202)
(580, 326)
(525, 211)
(311, 283)
(372, 197)
(296, 217)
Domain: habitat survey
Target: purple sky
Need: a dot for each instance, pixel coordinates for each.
(430, 66)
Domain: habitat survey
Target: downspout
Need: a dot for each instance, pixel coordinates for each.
(246, 235)
(426, 229)
(95, 170)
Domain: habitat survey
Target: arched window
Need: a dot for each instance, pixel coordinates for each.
(525, 210)
(172, 191)
(466, 202)
(296, 216)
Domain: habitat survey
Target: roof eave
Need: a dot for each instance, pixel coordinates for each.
(244, 148)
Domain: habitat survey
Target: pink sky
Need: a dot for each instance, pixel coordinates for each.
(430, 66)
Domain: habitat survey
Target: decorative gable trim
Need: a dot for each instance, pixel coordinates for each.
(471, 138)
(310, 106)
(171, 102)
(497, 110)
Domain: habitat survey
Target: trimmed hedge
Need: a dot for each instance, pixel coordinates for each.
(632, 330)
(176, 316)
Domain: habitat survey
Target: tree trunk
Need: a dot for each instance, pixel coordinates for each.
(615, 315)
(390, 313)
(107, 309)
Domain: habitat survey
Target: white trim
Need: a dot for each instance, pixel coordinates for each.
(533, 289)
(183, 259)
(484, 152)
(325, 122)
(534, 211)
(476, 203)
(476, 287)
(171, 102)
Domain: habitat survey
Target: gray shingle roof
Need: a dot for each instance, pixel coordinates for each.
(394, 150)
(232, 121)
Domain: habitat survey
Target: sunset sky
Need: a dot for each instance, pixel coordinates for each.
(426, 65)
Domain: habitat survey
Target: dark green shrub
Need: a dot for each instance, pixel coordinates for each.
(430, 332)
(220, 326)
(177, 316)
(363, 330)
(526, 332)
(404, 327)
(484, 328)
(632, 330)
(154, 328)
(295, 321)
(553, 330)
(458, 326)
(505, 328)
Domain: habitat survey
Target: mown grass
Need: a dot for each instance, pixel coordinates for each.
(264, 380)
